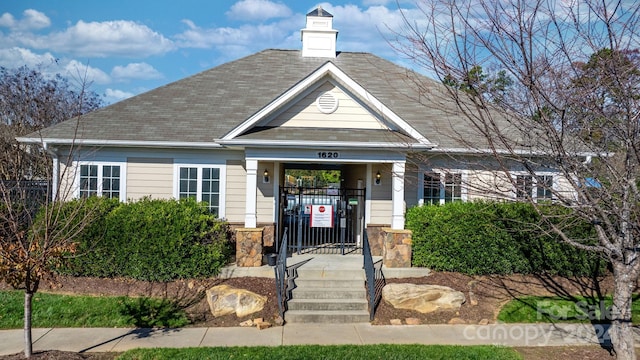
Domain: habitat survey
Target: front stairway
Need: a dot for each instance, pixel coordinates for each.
(328, 289)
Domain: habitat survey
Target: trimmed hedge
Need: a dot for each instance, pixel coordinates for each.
(155, 240)
(498, 238)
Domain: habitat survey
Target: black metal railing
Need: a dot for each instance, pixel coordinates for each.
(281, 275)
(337, 234)
(374, 276)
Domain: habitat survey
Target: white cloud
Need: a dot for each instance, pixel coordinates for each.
(258, 10)
(32, 20)
(84, 74)
(368, 29)
(11, 56)
(249, 37)
(103, 39)
(115, 95)
(7, 20)
(49, 66)
(141, 71)
(375, 2)
(361, 29)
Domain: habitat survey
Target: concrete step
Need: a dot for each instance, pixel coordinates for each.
(329, 283)
(344, 274)
(327, 304)
(329, 293)
(327, 316)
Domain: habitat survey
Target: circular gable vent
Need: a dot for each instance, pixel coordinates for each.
(327, 103)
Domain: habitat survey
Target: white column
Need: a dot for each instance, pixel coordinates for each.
(397, 196)
(275, 179)
(55, 178)
(250, 217)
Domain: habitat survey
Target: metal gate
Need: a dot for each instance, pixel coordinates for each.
(322, 220)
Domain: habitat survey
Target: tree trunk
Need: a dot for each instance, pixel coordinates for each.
(621, 331)
(28, 343)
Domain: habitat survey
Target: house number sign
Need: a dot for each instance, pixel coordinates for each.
(328, 154)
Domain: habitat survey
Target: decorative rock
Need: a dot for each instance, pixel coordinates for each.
(472, 284)
(258, 320)
(263, 325)
(483, 322)
(395, 322)
(422, 298)
(456, 321)
(473, 300)
(412, 321)
(247, 323)
(224, 300)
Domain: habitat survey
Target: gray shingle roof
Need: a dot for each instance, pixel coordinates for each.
(206, 106)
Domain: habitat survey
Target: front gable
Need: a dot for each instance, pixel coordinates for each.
(327, 99)
(327, 106)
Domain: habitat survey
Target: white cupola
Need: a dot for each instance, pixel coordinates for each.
(319, 37)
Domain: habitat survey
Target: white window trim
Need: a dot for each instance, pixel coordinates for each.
(534, 186)
(443, 172)
(223, 186)
(101, 164)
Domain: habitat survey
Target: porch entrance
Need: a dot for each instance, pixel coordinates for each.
(322, 220)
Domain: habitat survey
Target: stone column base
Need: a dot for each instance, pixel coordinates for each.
(397, 248)
(249, 247)
(376, 239)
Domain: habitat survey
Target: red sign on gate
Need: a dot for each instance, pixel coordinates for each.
(322, 216)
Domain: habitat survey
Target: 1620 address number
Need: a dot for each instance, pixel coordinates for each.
(328, 154)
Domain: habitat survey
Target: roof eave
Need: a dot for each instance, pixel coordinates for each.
(332, 144)
(470, 151)
(118, 143)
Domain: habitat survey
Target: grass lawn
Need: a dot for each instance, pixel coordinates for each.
(52, 310)
(532, 309)
(342, 352)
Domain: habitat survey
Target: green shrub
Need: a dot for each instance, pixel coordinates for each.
(497, 238)
(83, 221)
(157, 240)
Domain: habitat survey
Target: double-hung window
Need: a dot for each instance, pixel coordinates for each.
(544, 187)
(431, 189)
(537, 188)
(442, 188)
(201, 183)
(100, 180)
(524, 187)
(452, 187)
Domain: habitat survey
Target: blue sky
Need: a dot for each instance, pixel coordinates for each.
(128, 47)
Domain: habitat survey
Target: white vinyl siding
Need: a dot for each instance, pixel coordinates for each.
(349, 115)
(152, 177)
(236, 191)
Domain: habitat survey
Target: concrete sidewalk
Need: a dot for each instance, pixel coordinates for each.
(118, 340)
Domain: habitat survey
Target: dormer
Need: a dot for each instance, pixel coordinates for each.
(319, 37)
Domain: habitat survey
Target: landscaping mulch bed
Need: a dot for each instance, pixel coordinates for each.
(490, 293)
